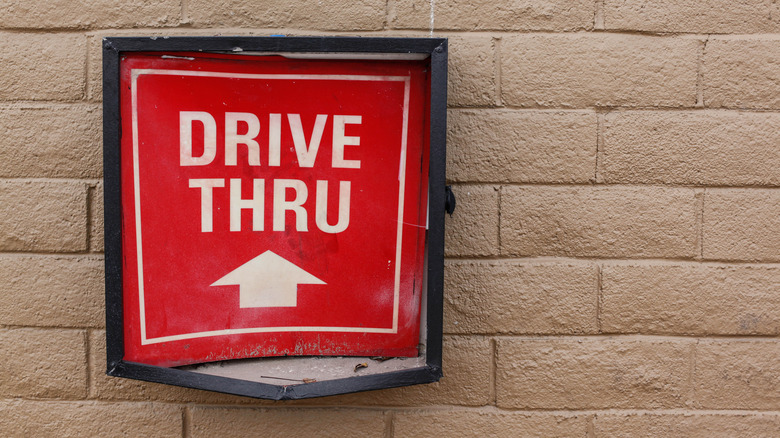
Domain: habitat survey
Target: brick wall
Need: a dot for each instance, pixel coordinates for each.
(612, 266)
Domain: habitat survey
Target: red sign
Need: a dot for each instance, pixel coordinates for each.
(271, 206)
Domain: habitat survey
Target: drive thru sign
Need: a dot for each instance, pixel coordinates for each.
(272, 206)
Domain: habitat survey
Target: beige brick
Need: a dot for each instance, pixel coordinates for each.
(471, 72)
(42, 66)
(244, 422)
(521, 146)
(691, 299)
(50, 363)
(487, 423)
(590, 373)
(598, 221)
(738, 374)
(741, 73)
(96, 231)
(689, 424)
(703, 16)
(741, 224)
(473, 228)
(51, 291)
(104, 387)
(80, 14)
(51, 141)
(712, 147)
(512, 297)
(557, 15)
(42, 216)
(333, 15)
(466, 364)
(95, 68)
(89, 419)
(583, 70)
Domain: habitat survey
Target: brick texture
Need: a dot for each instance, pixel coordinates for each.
(51, 291)
(691, 299)
(511, 297)
(737, 374)
(473, 229)
(606, 70)
(701, 148)
(463, 424)
(235, 422)
(558, 15)
(45, 363)
(43, 216)
(688, 425)
(741, 225)
(521, 146)
(471, 72)
(42, 66)
(51, 141)
(598, 221)
(587, 373)
(80, 419)
(742, 73)
(334, 15)
(707, 16)
(43, 14)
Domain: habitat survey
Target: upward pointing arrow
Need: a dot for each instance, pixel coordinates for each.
(268, 280)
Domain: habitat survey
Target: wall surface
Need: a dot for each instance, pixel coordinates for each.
(613, 266)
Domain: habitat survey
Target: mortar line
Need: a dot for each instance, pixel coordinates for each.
(184, 13)
(433, 15)
(90, 365)
(692, 374)
(598, 16)
(55, 255)
(85, 91)
(579, 412)
(389, 423)
(591, 426)
(599, 297)
(438, 408)
(498, 220)
(543, 259)
(700, 74)
(600, 120)
(583, 184)
(499, 100)
(492, 379)
(239, 31)
(589, 109)
(186, 422)
(45, 103)
(90, 211)
(574, 337)
(700, 222)
(53, 180)
(387, 15)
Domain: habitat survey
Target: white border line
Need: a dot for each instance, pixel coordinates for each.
(135, 73)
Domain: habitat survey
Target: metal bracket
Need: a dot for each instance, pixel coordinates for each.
(449, 200)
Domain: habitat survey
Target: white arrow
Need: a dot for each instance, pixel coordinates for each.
(268, 280)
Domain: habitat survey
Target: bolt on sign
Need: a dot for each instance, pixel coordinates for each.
(274, 199)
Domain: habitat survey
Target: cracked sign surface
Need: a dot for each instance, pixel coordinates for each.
(271, 206)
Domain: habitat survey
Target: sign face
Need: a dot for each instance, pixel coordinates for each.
(271, 206)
